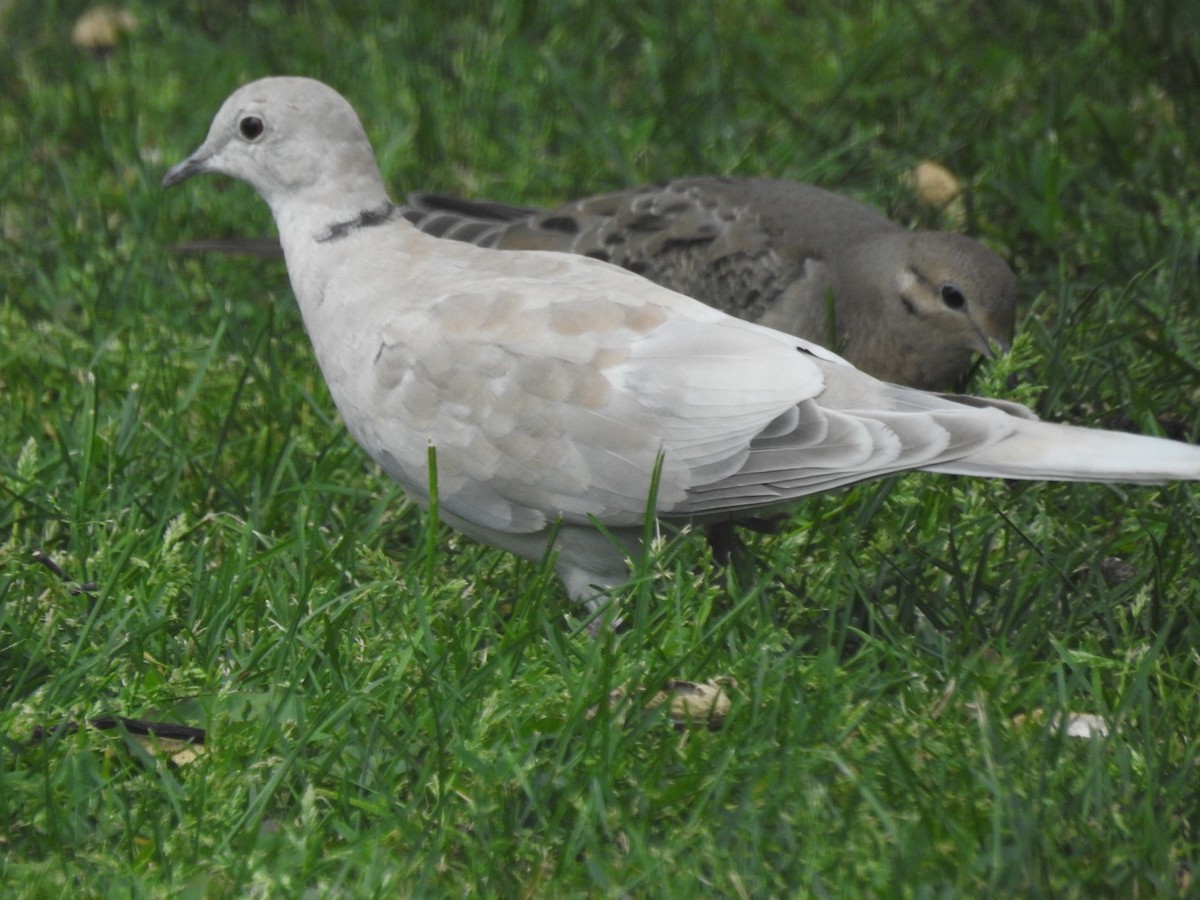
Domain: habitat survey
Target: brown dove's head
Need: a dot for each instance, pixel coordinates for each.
(939, 298)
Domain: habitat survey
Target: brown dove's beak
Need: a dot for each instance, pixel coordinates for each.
(997, 348)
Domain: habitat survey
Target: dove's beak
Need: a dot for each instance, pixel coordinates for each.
(997, 348)
(196, 164)
(988, 344)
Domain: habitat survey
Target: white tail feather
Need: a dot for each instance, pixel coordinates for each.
(1045, 451)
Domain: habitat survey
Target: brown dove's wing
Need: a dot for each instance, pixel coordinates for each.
(704, 245)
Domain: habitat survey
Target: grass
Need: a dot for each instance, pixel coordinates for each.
(392, 710)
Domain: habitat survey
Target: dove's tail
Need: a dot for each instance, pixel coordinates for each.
(1044, 451)
(479, 222)
(267, 248)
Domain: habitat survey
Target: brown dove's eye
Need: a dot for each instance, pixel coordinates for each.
(953, 297)
(251, 128)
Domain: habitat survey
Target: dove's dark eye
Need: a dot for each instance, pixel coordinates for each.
(953, 297)
(251, 127)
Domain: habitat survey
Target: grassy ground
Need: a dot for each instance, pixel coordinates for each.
(394, 711)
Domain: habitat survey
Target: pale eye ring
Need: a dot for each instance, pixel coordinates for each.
(251, 128)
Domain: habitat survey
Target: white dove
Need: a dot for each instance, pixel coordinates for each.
(551, 385)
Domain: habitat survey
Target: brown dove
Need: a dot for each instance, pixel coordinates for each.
(908, 307)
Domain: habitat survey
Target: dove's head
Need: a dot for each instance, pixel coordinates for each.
(941, 298)
(965, 287)
(295, 141)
